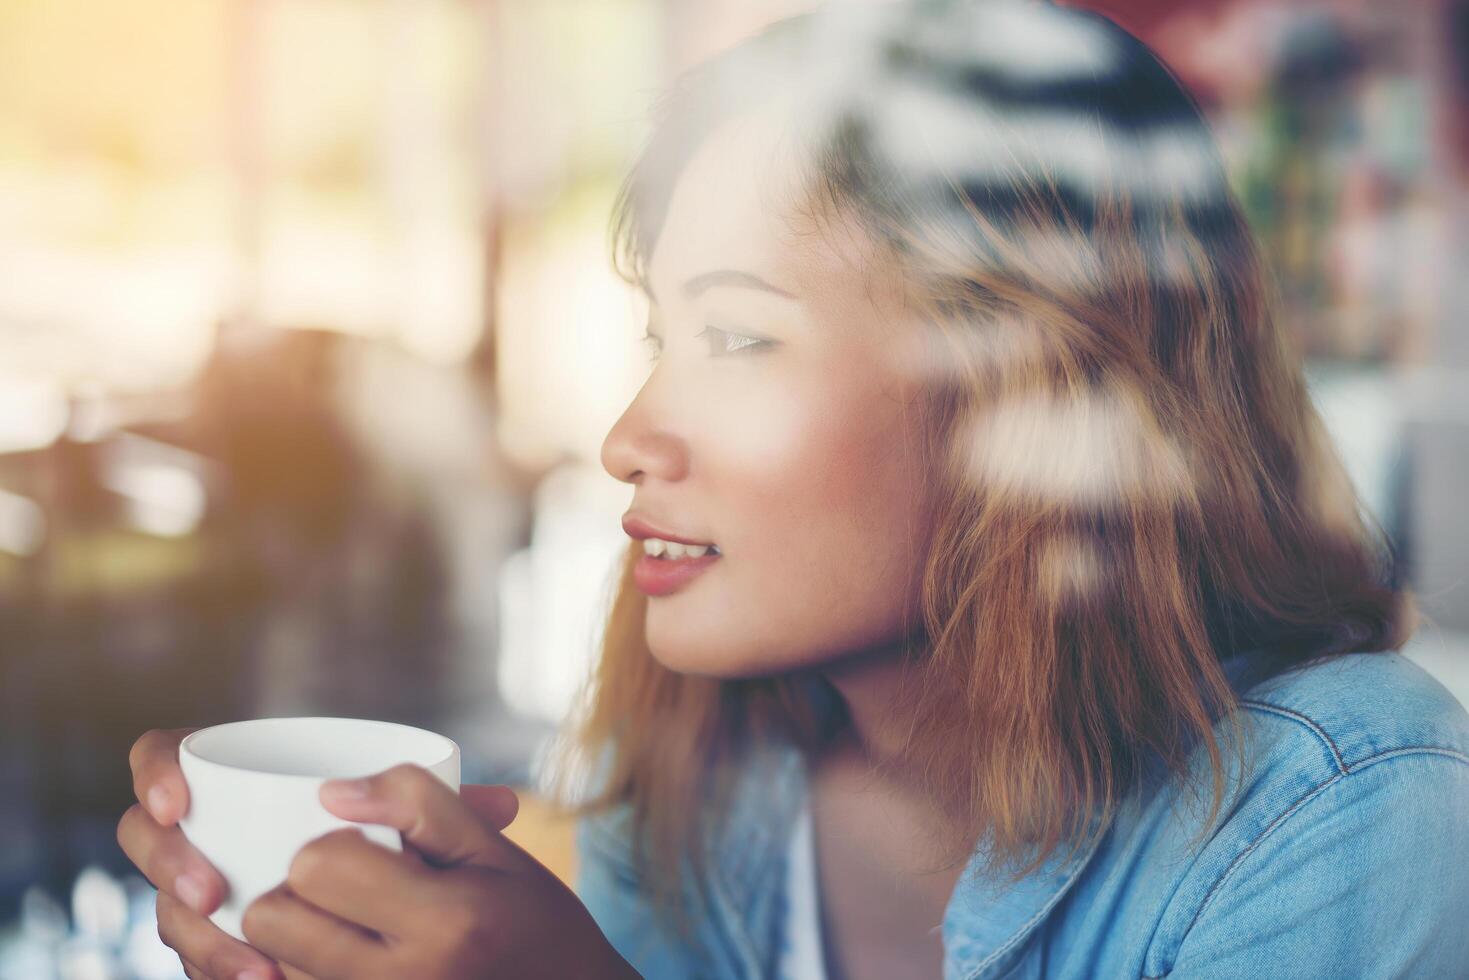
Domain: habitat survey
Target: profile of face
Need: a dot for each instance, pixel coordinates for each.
(779, 423)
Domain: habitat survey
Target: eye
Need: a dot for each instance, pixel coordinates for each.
(723, 342)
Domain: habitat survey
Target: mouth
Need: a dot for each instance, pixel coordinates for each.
(669, 560)
(666, 550)
(663, 574)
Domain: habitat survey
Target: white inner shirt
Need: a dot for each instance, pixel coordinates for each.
(800, 955)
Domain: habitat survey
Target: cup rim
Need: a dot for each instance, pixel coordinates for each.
(186, 749)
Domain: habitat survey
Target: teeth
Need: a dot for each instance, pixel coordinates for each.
(659, 548)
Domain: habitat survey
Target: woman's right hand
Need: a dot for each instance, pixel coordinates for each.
(189, 888)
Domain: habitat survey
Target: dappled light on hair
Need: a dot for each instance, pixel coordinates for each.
(1095, 449)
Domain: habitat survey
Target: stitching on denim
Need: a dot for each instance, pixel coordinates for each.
(1341, 763)
(1390, 753)
(1413, 750)
(1259, 839)
(1307, 722)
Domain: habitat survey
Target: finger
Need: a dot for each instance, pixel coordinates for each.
(296, 933)
(158, 782)
(294, 974)
(169, 861)
(364, 883)
(194, 973)
(430, 815)
(496, 805)
(211, 951)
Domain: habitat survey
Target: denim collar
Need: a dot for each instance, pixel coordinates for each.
(989, 918)
(986, 922)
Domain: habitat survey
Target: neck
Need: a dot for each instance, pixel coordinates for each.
(867, 682)
(878, 735)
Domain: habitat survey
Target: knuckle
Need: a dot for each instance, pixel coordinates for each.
(221, 961)
(167, 923)
(342, 838)
(147, 746)
(407, 780)
(314, 860)
(215, 954)
(127, 826)
(307, 866)
(250, 924)
(154, 745)
(137, 836)
(257, 917)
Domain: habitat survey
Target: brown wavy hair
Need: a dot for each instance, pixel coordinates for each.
(1133, 482)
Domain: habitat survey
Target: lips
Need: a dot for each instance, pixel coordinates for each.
(664, 576)
(641, 528)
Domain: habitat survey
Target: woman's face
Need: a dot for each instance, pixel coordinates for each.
(778, 423)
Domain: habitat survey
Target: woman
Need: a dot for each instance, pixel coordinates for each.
(1035, 631)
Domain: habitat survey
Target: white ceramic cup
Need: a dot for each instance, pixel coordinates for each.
(253, 792)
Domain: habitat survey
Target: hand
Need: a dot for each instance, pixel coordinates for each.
(189, 888)
(460, 901)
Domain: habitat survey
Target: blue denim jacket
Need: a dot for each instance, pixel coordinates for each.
(1344, 854)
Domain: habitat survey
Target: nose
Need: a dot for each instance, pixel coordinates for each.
(640, 443)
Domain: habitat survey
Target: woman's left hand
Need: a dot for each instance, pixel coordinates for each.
(460, 901)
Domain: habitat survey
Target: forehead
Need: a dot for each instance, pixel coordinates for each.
(741, 203)
(735, 205)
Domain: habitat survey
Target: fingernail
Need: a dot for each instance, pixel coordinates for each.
(191, 891)
(348, 789)
(158, 800)
(253, 973)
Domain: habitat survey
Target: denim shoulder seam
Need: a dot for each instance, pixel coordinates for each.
(1304, 721)
(1296, 806)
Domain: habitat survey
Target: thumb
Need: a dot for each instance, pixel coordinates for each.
(497, 806)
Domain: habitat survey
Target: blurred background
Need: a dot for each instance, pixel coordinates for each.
(309, 339)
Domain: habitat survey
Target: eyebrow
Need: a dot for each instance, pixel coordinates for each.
(723, 277)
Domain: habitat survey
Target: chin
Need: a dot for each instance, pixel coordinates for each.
(697, 657)
(699, 663)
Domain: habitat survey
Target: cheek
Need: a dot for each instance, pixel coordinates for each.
(816, 497)
(755, 438)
